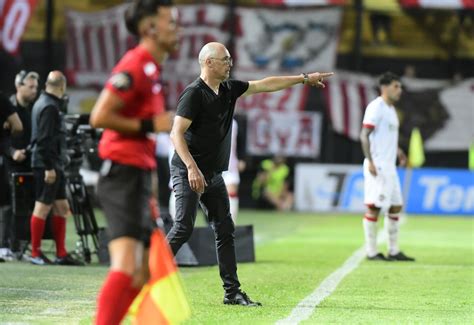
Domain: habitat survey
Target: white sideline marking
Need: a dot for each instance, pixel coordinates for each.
(307, 306)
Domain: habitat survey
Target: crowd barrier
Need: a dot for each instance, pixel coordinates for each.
(434, 191)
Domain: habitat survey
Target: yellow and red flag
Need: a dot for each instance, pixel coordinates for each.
(162, 299)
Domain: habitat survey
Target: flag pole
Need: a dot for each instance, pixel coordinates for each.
(416, 159)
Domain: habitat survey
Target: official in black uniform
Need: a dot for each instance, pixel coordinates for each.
(201, 135)
(48, 159)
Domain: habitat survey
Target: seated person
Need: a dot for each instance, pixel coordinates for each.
(271, 187)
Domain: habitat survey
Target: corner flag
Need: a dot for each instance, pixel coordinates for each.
(162, 299)
(416, 153)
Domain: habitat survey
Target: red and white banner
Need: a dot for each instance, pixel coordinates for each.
(441, 110)
(291, 3)
(347, 95)
(14, 16)
(295, 134)
(269, 42)
(438, 4)
(95, 43)
(201, 24)
(457, 133)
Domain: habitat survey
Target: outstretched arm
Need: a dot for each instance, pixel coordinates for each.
(271, 84)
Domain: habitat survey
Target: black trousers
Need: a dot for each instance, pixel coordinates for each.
(215, 204)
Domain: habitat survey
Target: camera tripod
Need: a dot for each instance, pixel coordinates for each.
(84, 217)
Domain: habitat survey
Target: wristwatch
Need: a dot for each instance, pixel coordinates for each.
(305, 78)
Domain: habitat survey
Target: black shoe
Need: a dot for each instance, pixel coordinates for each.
(377, 257)
(400, 257)
(240, 298)
(68, 260)
(2, 260)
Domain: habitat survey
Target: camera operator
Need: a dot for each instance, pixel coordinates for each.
(9, 124)
(48, 157)
(16, 156)
(26, 84)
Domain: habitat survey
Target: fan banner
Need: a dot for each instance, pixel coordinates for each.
(295, 134)
(268, 42)
(292, 41)
(457, 132)
(441, 114)
(438, 4)
(94, 44)
(294, 3)
(14, 16)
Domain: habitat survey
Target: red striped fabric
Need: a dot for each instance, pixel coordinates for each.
(438, 4)
(95, 42)
(291, 3)
(346, 96)
(14, 16)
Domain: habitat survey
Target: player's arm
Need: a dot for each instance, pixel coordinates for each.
(195, 176)
(276, 83)
(365, 142)
(106, 114)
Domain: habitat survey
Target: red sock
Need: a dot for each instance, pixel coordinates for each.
(37, 230)
(59, 233)
(112, 299)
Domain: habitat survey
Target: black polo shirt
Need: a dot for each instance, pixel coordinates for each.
(209, 135)
(6, 109)
(24, 113)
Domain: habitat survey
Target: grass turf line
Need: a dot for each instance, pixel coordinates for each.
(295, 252)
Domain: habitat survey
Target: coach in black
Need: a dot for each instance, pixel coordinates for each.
(201, 135)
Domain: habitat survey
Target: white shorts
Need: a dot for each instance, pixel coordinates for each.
(231, 177)
(383, 190)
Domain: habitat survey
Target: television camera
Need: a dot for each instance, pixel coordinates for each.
(81, 143)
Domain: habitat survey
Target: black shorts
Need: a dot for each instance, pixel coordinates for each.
(48, 193)
(124, 193)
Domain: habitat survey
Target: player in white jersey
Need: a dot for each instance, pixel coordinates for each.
(379, 138)
(231, 176)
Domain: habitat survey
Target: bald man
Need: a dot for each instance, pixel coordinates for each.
(48, 157)
(201, 135)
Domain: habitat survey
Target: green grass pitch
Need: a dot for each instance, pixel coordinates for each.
(295, 253)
